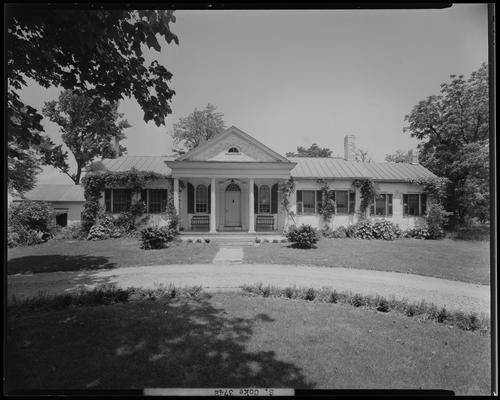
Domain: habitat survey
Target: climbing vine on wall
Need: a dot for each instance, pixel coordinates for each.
(368, 192)
(94, 183)
(435, 188)
(328, 205)
(286, 189)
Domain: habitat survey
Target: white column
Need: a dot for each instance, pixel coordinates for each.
(212, 207)
(251, 218)
(176, 195)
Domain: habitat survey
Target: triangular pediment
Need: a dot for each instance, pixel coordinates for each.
(233, 145)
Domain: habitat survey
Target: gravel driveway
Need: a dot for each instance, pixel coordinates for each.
(226, 276)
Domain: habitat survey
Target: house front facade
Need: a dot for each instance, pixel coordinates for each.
(232, 184)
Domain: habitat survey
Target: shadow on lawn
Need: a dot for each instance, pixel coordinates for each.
(177, 343)
(56, 262)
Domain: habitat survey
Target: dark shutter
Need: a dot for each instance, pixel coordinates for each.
(405, 204)
(144, 199)
(255, 199)
(319, 200)
(352, 201)
(372, 207)
(209, 195)
(107, 199)
(190, 198)
(274, 199)
(423, 199)
(164, 200)
(128, 193)
(299, 202)
(389, 204)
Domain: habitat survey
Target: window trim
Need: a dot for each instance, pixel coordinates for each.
(112, 200)
(420, 213)
(302, 203)
(233, 153)
(148, 201)
(316, 200)
(196, 199)
(374, 205)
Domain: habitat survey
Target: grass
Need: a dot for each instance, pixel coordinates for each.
(232, 340)
(449, 259)
(62, 255)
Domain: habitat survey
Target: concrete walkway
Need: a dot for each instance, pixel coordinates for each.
(224, 276)
(229, 255)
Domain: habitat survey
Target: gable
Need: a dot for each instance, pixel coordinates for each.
(217, 149)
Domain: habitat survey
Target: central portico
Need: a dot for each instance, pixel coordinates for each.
(229, 183)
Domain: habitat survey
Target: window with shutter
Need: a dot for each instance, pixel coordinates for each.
(309, 201)
(342, 201)
(389, 204)
(264, 199)
(201, 200)
(423, 199)
(209, 195)
(255, 199)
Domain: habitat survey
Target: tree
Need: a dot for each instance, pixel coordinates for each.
(22, 171)
(454, 131)
(98, 53)
(87, 131)
(362, 156)
(313, 151)
(196, 128)
(400, 156)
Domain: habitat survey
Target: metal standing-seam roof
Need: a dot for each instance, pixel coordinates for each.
(141, 163)
(56, 192)
(307, 167)
(316, 167)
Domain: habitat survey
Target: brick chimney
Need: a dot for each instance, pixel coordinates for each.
(349, 147)
(414, 157)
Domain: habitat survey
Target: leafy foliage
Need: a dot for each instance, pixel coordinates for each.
(303, 237)
(23, 166)
(153, 237)
(367, 189)
(362, 156)
(338, 233)
(89, 127)
(103, 57)
(328, 205)
(436, 217)
(454, 131)
(94, 183)
(399, 156)
(196, 128)
(29, 223)
(313, 151)
(285, 190)
(71, 232)
(367, 229)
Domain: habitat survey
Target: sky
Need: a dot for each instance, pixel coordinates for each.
(292, 78)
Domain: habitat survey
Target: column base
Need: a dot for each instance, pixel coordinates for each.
(251, 231)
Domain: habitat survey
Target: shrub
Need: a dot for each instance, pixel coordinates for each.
(383, 304)
(154, 237)
(367, 229)
(436, 218)
(99, 232)
(29, 223)
(71, 232)
(357, 300)
(419, 232)
(339, 233)
(473, 232)
(303, 237)
(310, 294)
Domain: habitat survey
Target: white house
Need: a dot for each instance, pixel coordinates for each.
(230, 183)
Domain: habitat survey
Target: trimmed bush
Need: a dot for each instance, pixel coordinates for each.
(339, 233)
(379, 229)
(419, 232)
(29, 223)
(154, 237)
(71, 232)
(303, 237)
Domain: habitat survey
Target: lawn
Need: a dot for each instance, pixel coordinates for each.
(62, 255)
(233, 340)
(450, 259)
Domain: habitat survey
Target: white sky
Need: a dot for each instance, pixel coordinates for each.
(293, 78)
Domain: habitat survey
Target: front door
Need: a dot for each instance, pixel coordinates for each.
(233, 206)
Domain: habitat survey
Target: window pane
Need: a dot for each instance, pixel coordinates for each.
(380, 204)
(412, 207)
(308, 201)
(201, 199)
(341, 198)
(264, 199)
(121, 200)
(154, 200)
